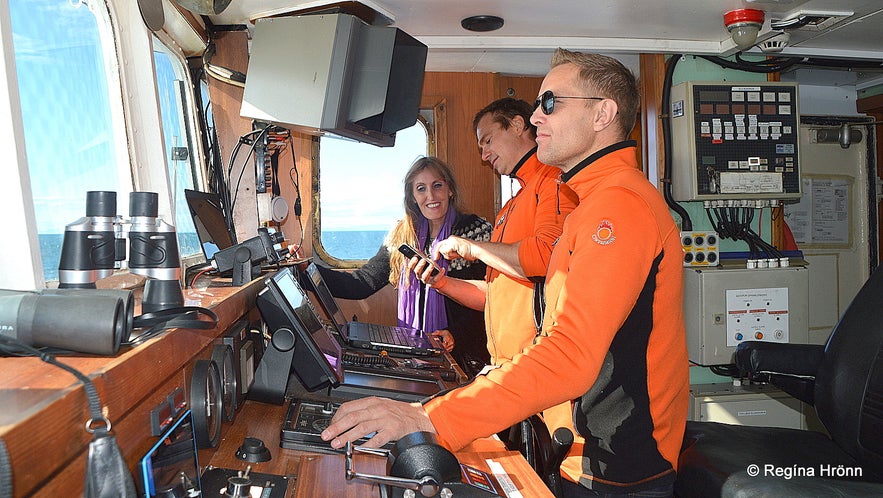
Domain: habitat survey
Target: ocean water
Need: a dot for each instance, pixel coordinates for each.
(344, 244)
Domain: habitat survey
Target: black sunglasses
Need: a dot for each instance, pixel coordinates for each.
(547, 101)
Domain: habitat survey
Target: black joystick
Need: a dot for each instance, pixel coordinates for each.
(253, 450)
(239, 486)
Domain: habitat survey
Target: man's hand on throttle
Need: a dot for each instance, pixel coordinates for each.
(385, 419)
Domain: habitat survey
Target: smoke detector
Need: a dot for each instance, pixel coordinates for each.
(775, 44)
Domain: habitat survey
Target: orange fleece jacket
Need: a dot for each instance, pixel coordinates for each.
(612, 362)
(535, 218)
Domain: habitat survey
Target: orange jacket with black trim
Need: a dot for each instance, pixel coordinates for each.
(534, 217)
(612, 360)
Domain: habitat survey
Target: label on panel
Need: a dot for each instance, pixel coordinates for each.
(757, 315)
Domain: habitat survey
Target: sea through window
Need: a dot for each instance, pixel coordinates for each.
(65, 62)
(362, 191)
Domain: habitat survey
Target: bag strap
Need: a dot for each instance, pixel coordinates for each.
(183, 317)
(107, 475)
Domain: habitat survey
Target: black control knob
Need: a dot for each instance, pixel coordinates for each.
(253, 450)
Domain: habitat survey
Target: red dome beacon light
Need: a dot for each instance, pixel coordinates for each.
(743, 25)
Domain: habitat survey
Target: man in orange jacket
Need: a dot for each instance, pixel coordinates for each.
(611, 362)
(525, 230)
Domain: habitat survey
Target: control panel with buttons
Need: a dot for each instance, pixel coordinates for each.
(730, 304)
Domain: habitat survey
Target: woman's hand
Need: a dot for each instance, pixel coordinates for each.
(446, 339)
(424, 273)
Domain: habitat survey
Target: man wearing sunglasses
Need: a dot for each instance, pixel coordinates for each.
(525, 230)
(611, 363)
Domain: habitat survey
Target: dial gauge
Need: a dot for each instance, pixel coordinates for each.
(222, 355)
(206, 403)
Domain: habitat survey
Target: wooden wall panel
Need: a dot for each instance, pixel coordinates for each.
(650, 86)
(232, 53)
(465, 94)
(519, 87)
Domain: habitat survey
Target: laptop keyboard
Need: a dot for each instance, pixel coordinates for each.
(389, 335)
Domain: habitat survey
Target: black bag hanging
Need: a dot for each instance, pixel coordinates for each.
(107, 475)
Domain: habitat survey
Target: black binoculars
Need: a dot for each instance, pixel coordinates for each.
(88, 321)
(95, 245)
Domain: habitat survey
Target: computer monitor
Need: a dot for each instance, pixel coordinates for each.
(210, 222)
(299, 344)
(326, 299)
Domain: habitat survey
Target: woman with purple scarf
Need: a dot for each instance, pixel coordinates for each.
(432, 213)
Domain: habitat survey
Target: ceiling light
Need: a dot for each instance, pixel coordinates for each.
(743, 25)
(482, 23)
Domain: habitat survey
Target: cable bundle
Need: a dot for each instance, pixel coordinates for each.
(735, 223)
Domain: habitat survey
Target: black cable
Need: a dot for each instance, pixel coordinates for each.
(294, 176)
(779, 64)
(251, 150)
(729, 370)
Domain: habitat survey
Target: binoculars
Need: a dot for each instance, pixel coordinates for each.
(88, 321)
(95, 245)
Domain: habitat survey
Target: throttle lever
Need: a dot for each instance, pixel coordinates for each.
(562, 440)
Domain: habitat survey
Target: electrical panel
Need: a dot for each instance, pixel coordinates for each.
(724, 307)
(734, 141)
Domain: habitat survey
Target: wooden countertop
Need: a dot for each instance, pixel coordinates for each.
(323, 474)
(43, 410)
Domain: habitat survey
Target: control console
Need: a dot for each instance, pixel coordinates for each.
(304, 422)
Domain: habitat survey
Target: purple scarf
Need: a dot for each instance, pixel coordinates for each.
(432, 316)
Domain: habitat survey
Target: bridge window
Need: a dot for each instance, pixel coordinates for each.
(174, 99)
(71, 112)
(362, 194)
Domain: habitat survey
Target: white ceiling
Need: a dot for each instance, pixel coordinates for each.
(625, 28)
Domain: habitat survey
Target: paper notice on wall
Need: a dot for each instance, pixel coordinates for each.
(822, 215)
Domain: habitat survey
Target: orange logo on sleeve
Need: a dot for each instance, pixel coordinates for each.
(604, 233)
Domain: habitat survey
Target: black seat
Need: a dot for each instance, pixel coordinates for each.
(843, 380)
(542, 451)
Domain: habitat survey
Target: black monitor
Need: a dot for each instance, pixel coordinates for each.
(299, 344)
(326, 299)
(210, 221)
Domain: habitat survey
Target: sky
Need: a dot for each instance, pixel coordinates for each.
(63, 90)
(63, 93)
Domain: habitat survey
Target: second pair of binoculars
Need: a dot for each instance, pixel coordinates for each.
(96, 245)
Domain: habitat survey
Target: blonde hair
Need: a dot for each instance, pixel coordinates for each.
(609, 78)
(405, 231)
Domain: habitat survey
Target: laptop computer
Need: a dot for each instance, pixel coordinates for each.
(209, 221)
(401, 340)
